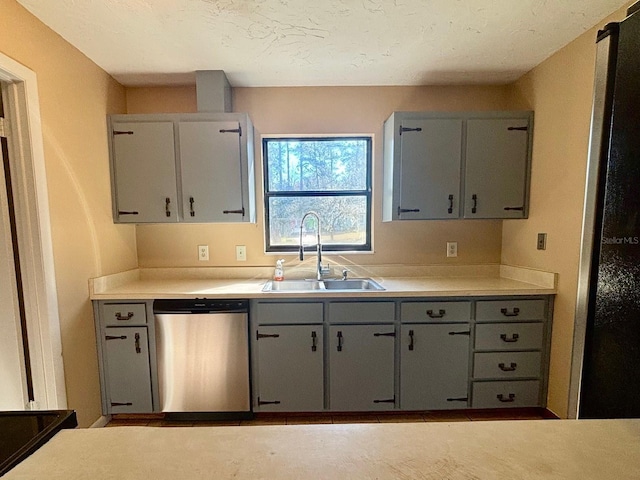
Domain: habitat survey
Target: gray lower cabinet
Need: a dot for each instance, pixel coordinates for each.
(434, 366)
(126, 357)
(361, 367)
(510, 353)
(290, 368)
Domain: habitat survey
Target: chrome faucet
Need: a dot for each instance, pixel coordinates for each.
(320, 270)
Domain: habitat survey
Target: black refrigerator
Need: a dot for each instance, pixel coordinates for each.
(609, 280)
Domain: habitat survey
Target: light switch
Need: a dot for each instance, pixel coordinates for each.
(241, 253)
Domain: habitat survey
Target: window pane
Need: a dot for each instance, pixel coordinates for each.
(316, 164)
(343, 220)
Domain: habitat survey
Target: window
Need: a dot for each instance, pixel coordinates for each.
(328, 175)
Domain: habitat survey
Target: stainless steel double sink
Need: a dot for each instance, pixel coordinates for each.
(351, 284)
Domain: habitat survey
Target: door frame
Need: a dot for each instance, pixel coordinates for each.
(22, 113)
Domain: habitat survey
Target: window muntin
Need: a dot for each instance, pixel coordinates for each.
(328, 175)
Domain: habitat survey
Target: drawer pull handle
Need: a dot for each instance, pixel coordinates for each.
(127, 212)
(167, 211)
(507, 313)
(267, 402)
(192, 212)
(466, 332)
(510, 368)
(314, 341)
(510, 399)
(124, 318)
(121, 404)
(514, 338)
(240, 211)
(114, 337)
(137, 343)
(389, 334)
(339, 341)
(474, 199)
(450, 209)
(410, 339)
(440, 314)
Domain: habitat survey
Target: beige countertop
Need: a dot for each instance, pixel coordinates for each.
(523, 449)
(398, 281)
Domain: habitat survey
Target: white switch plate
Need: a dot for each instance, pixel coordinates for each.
(241, 253)
(203, 252)
(452, 249)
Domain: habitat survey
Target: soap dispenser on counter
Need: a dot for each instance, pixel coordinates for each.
(278, 274)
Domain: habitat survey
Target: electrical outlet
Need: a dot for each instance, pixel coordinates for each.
(452, 249)
(203, 253)
(241, 253)
(542, 241)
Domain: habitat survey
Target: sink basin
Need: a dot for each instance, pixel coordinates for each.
(352, 284)
(293, 286)
(357, 284)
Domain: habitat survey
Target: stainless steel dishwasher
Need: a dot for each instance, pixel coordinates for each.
(203, 355)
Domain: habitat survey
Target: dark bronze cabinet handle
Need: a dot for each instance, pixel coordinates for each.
(514, 313)
(410, 339)
(137, 343)
(440, 314)
(465, 332)
(123, 318)
(115, 337)
(386, 400)
(192, 212)
(407, 210)
(167, 202)
(121, 404)
(514, 338)
(314, 341)
(474, 208)
(450, 209)
(510, 368)
(408, 129)
(124, 212)
(511, 398)
(459, 399)
(389, 334)
(267, 402)
(339, 341)
(514, 208)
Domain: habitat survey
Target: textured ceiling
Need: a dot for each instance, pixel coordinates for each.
(320, 42)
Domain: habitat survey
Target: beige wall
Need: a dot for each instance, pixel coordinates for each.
(560, 91)
(75, 96)
(308, 110)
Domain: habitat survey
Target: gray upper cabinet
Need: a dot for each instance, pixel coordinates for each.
(440, 165)
(496, 167)
(433, 150)
(144, 172)
(194, 168)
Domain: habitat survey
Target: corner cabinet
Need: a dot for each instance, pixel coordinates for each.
(191, 168)
(456, 165)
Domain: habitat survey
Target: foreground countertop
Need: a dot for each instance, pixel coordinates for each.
(524, 449)
(486, 280)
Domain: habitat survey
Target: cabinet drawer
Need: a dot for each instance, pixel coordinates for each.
(509, 310)
(361, 312)
(509, 336)
(433, 312)
(506, 394)
(506, 365)
(288, 313)
(124, 314)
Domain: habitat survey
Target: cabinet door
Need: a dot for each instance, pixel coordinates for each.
(434, 365)
(144, 169)
(290, 368)
(361, 367)
(431, 151)
(211, 168)
(497, 161)
(128, 372)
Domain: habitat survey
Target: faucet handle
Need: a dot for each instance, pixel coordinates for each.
(324, 270)
(345, 272)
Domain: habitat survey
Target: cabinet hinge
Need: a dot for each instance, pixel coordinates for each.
(232, 130)
(4, 128)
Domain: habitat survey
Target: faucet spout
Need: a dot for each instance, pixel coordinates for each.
(320, 270)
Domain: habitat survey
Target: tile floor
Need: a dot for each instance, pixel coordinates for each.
(158, 420)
